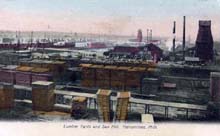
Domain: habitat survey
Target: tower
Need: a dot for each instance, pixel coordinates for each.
(204, 41)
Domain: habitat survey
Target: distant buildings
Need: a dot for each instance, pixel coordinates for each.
(148, 51)
(93, 45)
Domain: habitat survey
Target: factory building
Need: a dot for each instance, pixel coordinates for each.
(149, 51)
(90, 45)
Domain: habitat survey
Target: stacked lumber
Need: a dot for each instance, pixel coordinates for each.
(6, 96)
(122, 106)
(79, 107)
(87, 71)
(43, 97)
(40, 70)
(99, 73)
(88, 75)
(41, 74)
(102, 74)
(112, 77)
(102, 84)
(134, 77)
(118, 77)
(58, 68)
(8, 74)
(102, 77)
(103, 100)
(23, 75)
(87, 83)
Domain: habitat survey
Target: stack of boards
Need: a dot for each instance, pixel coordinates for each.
(43, 97)
(122, 106)
(103, 100)
(6, 96)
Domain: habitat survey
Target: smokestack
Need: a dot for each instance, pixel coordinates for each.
(184, 36)
(32, 33)
(147, 35)
(139, 36)
(204, 41)
(151, 35)
(174, 35)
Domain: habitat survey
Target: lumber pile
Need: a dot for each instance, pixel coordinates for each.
(122, 106)
(88, 75)
(6, 96)
(103, 100)
(43, 97)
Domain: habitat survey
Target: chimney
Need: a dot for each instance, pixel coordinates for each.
(174, 35)
(151, 35)
(204, 41)
(139, 36)
(184, 36)
(147, 35)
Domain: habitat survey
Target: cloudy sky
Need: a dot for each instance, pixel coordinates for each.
(122, 17)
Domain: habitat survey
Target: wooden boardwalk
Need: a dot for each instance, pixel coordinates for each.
(147, 103)
(140, 101)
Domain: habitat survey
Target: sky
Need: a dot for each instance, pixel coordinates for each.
(121, 17)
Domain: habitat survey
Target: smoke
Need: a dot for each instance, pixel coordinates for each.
(169, 44)
(114, 25)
